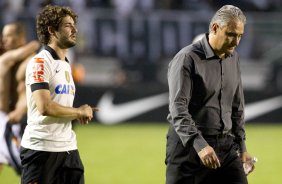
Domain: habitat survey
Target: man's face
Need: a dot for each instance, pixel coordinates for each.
(10, 38)
(229, 36)
(67, 33)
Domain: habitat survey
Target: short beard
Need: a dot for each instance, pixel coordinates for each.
(65, 43)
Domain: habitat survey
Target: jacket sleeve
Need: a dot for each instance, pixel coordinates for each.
(180, 90)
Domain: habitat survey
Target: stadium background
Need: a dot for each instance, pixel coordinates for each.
(124, 48)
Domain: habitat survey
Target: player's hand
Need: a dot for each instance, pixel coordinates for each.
(95, 109)
(86, 114)
(83, 121)
(209, 157)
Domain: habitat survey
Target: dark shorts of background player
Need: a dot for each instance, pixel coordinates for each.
(51, 167)
(9, 138)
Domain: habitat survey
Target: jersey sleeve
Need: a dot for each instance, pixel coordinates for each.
(38, 74)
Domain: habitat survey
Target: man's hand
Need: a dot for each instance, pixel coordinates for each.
(247, 158)
(209, 158)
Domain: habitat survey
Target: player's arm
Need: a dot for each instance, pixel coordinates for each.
(38, 74)
(2, 90)
(10, 58)
(21, 105)
(47, 107)
(16, 115)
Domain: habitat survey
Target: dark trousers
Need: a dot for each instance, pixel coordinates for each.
(184, 165)
(40, 167)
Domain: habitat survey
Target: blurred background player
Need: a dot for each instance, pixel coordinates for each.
(16, 52)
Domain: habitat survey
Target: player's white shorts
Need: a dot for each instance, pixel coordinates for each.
(9, 141)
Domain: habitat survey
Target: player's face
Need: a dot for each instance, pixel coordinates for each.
(229, 36)
(10, 38)
(67, 33)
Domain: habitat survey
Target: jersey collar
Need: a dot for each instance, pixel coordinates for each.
(54, 54)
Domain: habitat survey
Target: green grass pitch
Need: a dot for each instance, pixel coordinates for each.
(134, 153)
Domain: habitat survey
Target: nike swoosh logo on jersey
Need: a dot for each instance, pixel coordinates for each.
(57, 71)
(117, 113)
